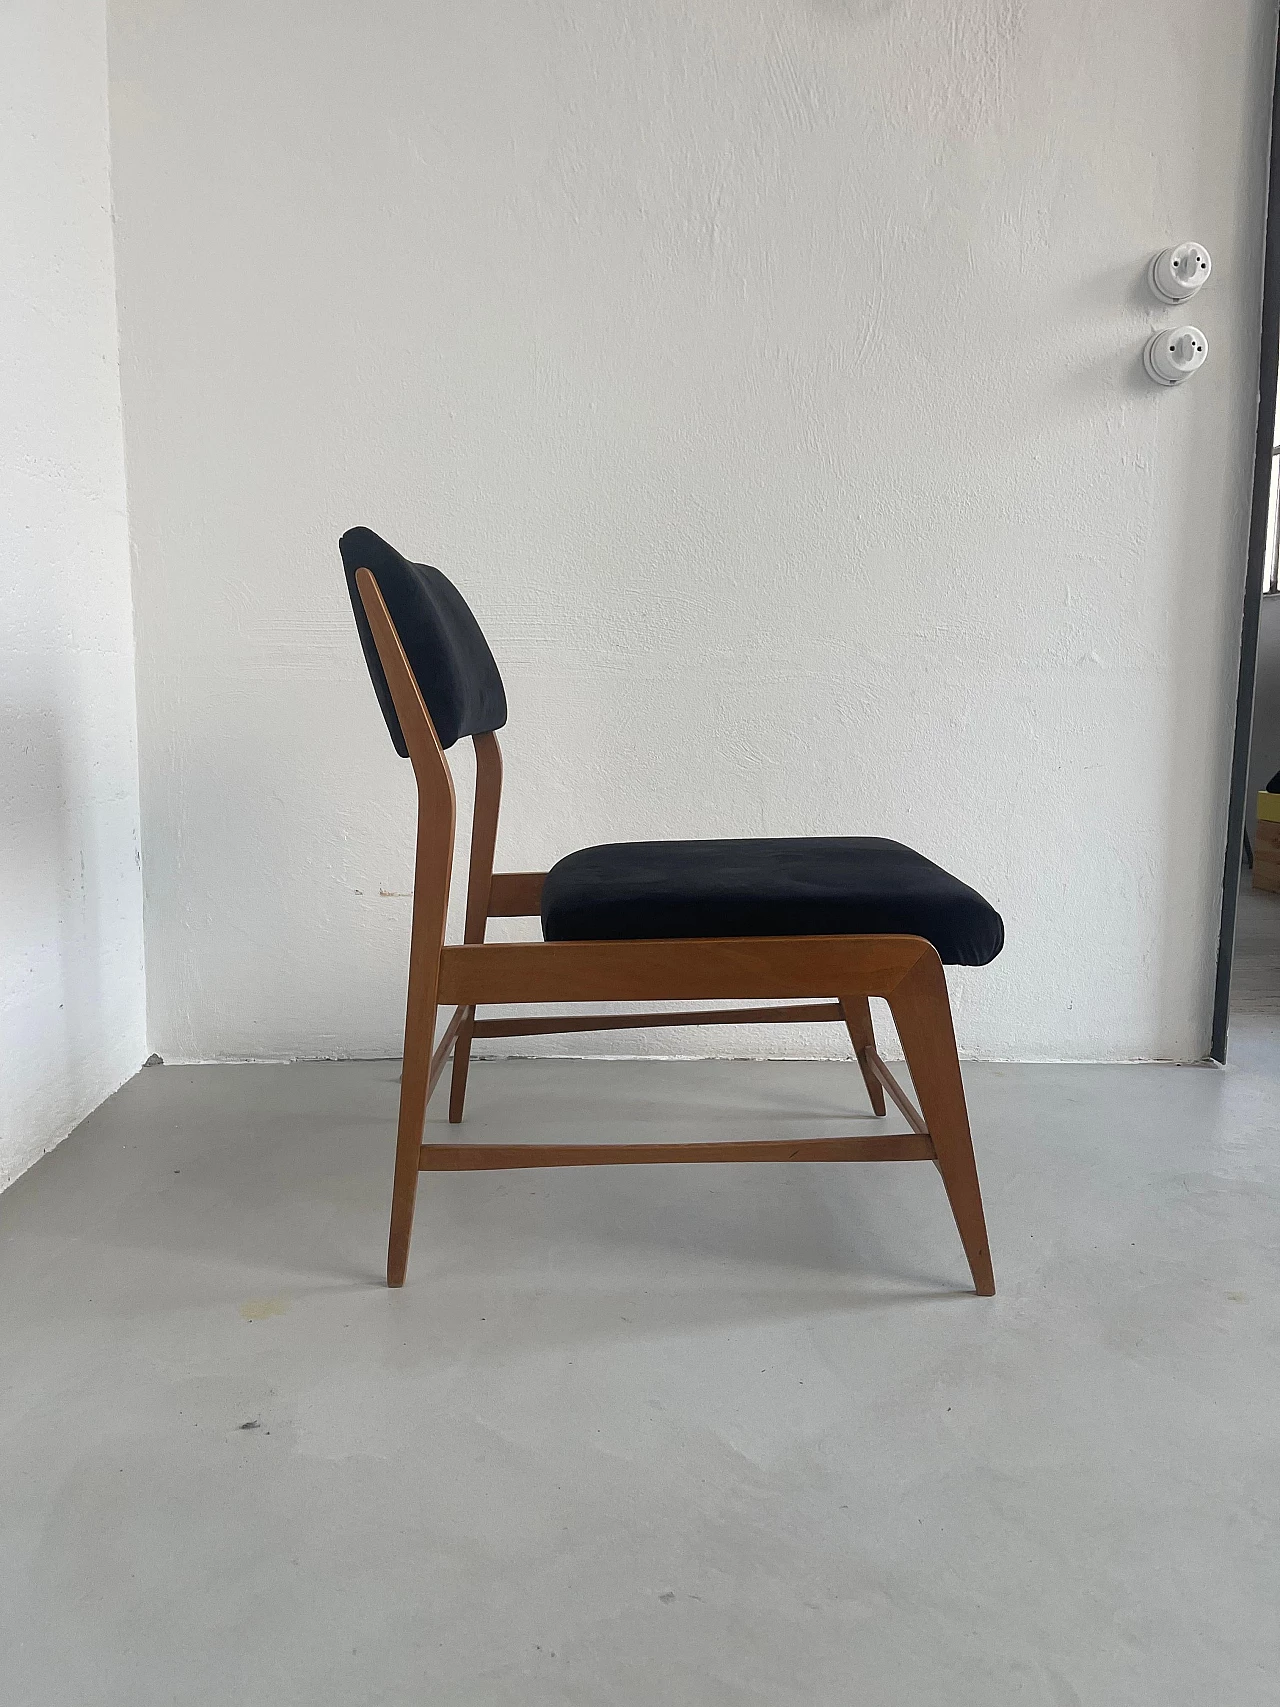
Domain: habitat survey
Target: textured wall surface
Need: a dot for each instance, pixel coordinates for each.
(72, 1000)
(767, 373)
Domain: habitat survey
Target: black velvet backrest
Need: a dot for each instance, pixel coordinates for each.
(447, 653)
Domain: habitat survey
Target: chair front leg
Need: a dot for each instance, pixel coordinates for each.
(857, 1018)
(922, 1013)
(461, 1063)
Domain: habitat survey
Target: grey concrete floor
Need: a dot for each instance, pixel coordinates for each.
(690, 1435)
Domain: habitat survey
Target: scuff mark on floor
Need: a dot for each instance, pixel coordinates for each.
(258, 1309)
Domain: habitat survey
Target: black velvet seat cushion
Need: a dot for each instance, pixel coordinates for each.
(801, 886)
(447, 653)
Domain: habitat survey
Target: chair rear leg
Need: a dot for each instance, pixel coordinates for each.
(857, 1017)
(461, 1063)
(922, 1014)
(415, 1091)
(413, 1113)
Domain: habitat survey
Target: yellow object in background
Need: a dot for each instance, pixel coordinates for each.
(1269, 808)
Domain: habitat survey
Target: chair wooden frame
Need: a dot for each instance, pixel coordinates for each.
(847, 970)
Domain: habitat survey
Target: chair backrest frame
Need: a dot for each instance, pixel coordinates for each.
(437, 800)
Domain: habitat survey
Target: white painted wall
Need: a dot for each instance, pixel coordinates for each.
(72, 998)
(767, 374)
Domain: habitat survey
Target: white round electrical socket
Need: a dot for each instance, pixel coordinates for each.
(1171, 357)
(1177, 274)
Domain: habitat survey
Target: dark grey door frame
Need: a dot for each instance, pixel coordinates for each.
(1268, 372)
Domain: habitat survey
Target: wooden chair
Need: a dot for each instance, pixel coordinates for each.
(650, 922)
